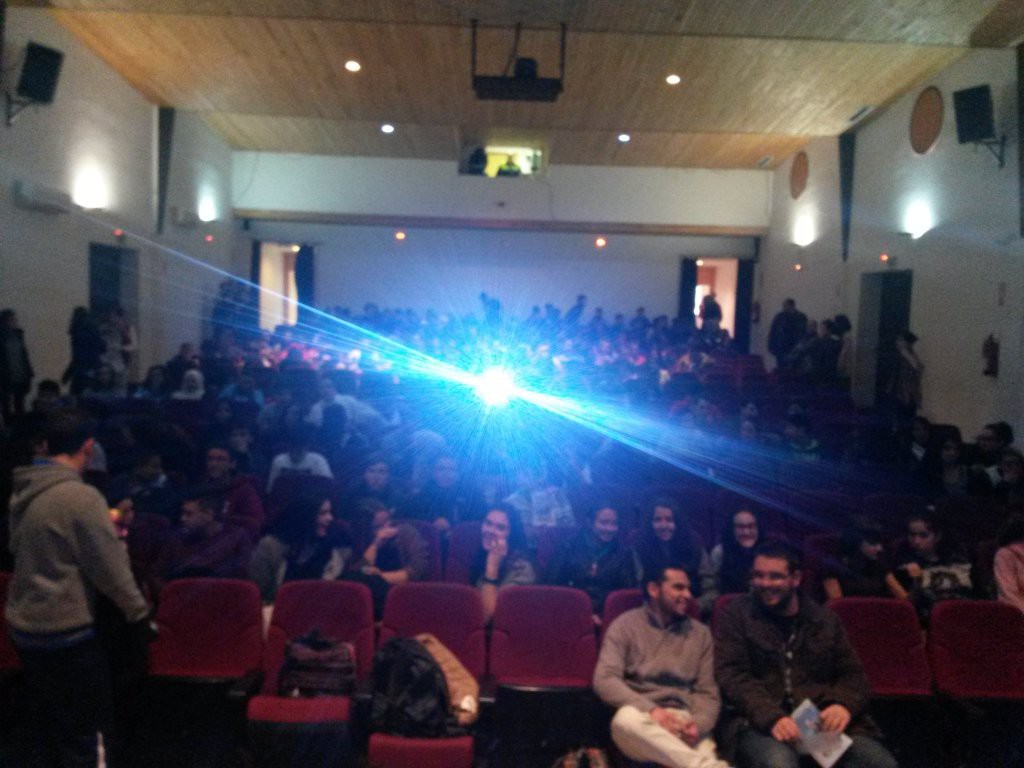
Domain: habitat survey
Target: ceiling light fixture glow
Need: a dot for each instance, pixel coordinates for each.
(673, 79)
(353, 66)
(918, 219)
(623, 138)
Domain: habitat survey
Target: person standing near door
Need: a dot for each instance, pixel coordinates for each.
(15, 369)
(788, 328)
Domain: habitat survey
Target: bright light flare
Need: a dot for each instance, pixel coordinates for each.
(495, 386)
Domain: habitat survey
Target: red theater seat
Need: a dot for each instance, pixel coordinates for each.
(387, 751)
(452, 613)
(887, 637)
(617, 603)
(338, 609)
(976, 649)
(543, 636)
(210, 630)
(463, 545)
(312, 730)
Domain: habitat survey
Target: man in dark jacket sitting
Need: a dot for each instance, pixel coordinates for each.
(773, 649)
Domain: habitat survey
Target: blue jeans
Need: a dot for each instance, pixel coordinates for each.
(757, 750)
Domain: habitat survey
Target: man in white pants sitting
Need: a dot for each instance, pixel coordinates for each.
(656, 669)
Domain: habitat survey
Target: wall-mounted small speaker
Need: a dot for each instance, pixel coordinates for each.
(39, 73)
(974, 120)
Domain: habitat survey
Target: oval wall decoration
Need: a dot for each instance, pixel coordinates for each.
(926, 120)
(798, 175)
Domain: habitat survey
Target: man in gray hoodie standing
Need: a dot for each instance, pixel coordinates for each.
(66, 553)
(656, 669)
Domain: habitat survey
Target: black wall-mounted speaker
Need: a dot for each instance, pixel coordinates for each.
(974, 121)
(39, 73)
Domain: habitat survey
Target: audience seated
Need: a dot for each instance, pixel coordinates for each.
(665, 538)
(446, 498)
(1009, 562)
(244, 505)
(540, 502)
(985, 454)
(146, 478)
(205, 545)
(951, 476)
(375, 482)
(298, 459)
(656, 669)
(594, 559)
(192, 386)
(501, 560)
(385, 552)
(248, 411)
(1009, 488)
(732, 558)
(774, 648)
(929, 566)
(155, 386)
(861, 568)
(303, 544)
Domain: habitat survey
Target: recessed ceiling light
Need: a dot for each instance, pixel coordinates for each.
(798, 267)
(387, 128)
(296, 248)
(673, 79)
(600, 242)
(700, 262)
(623, 138)
(399, 235)
(353, 66)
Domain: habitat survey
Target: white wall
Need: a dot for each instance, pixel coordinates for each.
(373, 186)
(97, 120)
(447, 269)
(957, 266)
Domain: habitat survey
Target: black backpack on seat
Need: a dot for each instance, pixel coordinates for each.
(410, 695)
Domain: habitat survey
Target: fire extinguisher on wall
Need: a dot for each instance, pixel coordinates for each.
(990, 351)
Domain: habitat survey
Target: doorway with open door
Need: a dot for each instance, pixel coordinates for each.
(729, 283)
(113, 303)
(884, 315)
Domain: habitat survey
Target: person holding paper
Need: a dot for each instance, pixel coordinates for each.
(656, 669)
(774, 648)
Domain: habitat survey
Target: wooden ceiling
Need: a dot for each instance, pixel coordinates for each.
(759, 77)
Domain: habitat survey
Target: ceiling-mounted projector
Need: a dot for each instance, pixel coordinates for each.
(523, 85)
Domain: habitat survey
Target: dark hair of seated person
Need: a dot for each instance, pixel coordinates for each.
(517, 544)
(682, 549)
